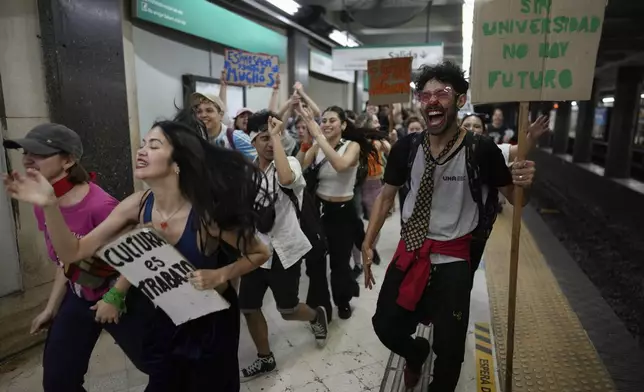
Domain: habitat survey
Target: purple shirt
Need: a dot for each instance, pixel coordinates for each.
(81, 219)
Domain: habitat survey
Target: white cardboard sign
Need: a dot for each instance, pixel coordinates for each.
(160, 272)
(535, 50)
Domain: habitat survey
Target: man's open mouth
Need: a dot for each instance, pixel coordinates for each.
(435, 117)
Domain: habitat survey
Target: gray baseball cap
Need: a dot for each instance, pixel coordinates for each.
(49, 139)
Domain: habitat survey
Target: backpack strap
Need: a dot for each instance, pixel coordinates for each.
(414, 144)
(477, 178)
(291, 195)
(230, 135)
(325, 159)
(472, 142)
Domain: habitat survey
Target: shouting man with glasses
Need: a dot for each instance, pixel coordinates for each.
(450, 173)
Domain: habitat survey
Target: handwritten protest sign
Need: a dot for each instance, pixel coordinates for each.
(160, 272)
(250, 69)
(389, 80)
(535, 50)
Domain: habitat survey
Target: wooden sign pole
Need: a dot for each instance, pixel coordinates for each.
(524, 110)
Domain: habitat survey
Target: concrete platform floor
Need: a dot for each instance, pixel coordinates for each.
(353, 359)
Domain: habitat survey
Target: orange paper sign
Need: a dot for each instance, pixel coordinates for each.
(389, 80)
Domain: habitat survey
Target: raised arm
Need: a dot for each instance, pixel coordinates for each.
(223, 88)
(35, 189)
(275, 96)
(309, 102)
(535, 131)
(339, 162)
(285, 175)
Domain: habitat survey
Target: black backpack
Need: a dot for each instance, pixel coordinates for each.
(310, 222)
(477, 177)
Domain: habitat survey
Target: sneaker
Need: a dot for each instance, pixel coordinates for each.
(412, 370)
(261, 366)
(344, 312)
(320, 327)
(376, 257)
(356, 271)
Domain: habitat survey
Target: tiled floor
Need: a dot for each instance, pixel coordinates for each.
(353, 359)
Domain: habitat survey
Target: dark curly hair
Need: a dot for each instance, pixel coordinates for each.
(258, 121)
(446, 72)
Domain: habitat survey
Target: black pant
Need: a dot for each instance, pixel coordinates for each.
(284, 283)
(318, 293)
(198, 355)
(446, 301)
(477, 246)
(339, 220)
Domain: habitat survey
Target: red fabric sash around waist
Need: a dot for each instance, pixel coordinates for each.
(417, 265)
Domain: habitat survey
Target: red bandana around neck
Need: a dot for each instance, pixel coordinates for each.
(62, 186)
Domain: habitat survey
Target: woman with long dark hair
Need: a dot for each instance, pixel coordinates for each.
(203, 199)
(334, 162)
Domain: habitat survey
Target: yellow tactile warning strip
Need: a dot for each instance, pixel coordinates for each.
(485, 380)
(552, 351)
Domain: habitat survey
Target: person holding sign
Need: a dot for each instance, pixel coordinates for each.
(282, 273)
(82, 296)
(442, 212)
(209, 219)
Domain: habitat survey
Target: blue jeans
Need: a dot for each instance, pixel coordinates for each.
(73, 335)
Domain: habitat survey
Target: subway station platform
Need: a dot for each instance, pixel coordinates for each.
(567, 337)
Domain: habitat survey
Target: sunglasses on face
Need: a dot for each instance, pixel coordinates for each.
(438, 95)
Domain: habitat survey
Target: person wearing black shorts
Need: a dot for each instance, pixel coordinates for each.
(282, 273)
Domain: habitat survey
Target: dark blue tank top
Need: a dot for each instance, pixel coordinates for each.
(212, 336)
(187, 244)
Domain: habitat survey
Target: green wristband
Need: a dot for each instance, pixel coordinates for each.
(115, 298)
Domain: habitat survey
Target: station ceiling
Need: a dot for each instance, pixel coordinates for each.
(622, 41)
(396, 22)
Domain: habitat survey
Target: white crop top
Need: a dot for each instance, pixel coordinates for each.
(334, 184)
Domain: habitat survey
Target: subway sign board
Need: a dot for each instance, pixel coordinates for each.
(209, 21)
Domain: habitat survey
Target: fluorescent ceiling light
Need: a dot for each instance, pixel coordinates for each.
(573, 103)
(343, 38)
(608, 100)
(288, 6)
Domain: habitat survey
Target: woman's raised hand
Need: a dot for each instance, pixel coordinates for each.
(30, 187)
(539, 127)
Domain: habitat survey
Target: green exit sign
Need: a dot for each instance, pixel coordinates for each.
(209, 21)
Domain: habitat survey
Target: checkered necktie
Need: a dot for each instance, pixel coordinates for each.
(414, 231)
